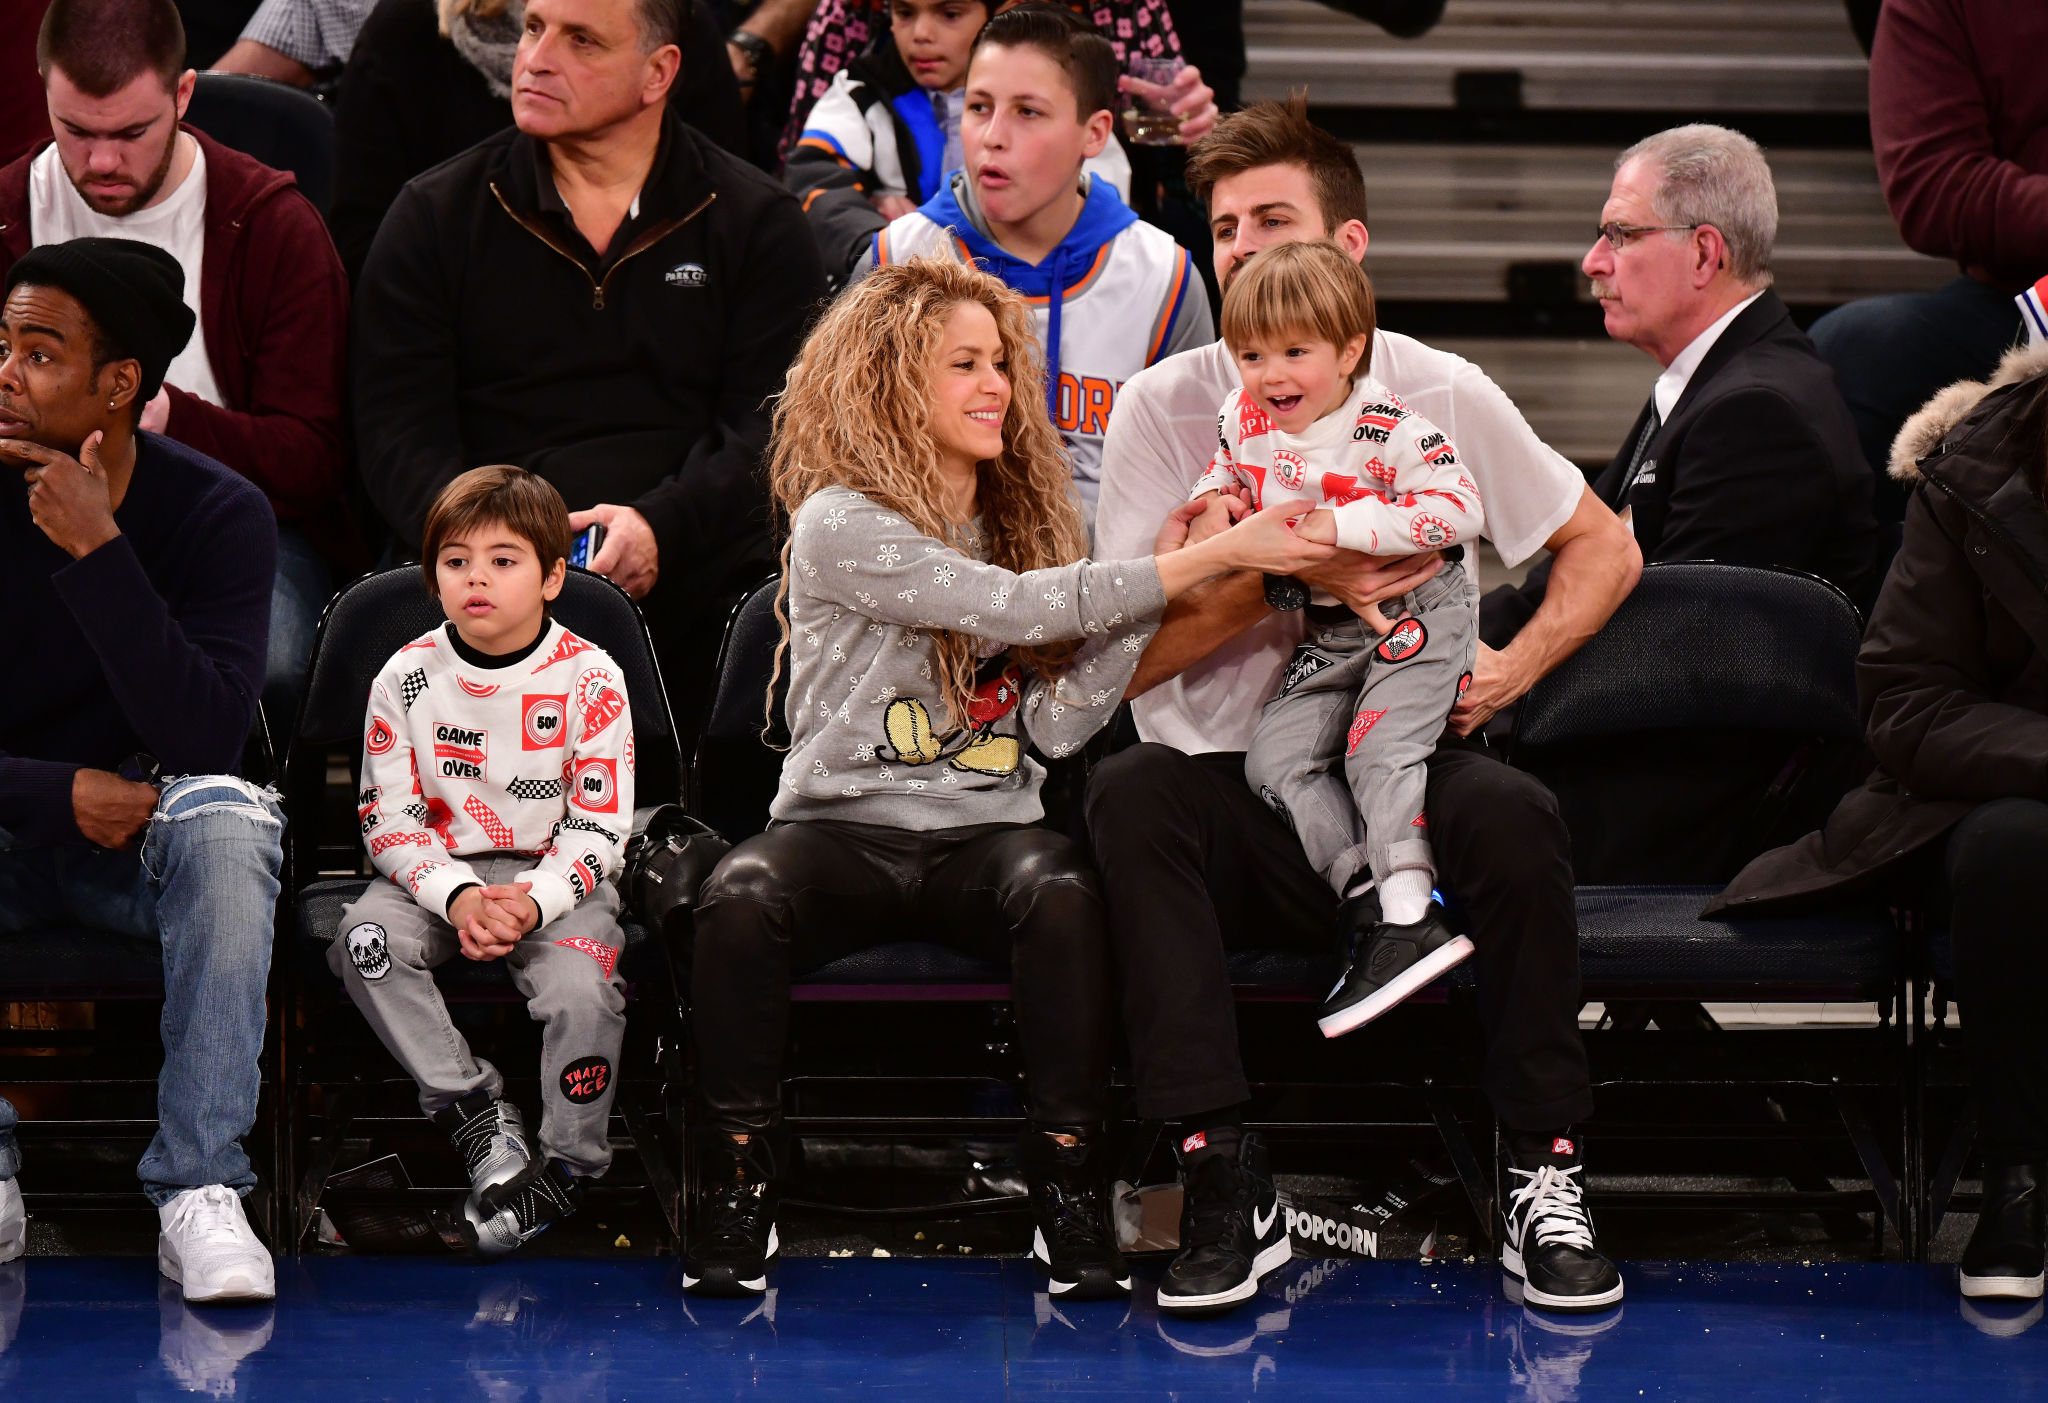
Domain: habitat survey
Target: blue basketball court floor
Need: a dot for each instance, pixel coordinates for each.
(561, 1330)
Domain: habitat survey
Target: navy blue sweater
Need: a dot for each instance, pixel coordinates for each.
(153, 643)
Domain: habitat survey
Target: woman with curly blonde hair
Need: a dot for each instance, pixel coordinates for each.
(940, 619)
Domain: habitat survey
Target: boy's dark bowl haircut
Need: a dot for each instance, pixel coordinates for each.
(524, 504)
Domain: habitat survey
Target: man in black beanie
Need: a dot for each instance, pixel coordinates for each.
(138, 578)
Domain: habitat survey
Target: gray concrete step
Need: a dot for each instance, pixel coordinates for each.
(1573, 55)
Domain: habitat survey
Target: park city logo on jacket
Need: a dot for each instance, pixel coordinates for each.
(687, 275)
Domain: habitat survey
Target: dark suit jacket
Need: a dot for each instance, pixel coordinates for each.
(1757, 465)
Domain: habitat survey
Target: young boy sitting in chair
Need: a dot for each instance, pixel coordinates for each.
(497, 798)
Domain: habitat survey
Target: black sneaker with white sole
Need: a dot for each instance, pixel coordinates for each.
(2004, 1257)
(733, 1244)
(490, 1135)
(510, 1215)
(1073, 1240)
(1231, 1231)
(1547, 1243)
(1388, 964)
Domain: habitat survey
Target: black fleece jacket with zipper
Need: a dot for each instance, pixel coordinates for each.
(488, 330)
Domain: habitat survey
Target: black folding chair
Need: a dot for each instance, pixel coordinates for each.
(108, 1069)
(1742, 662)
(330, 1098)
(278, 124)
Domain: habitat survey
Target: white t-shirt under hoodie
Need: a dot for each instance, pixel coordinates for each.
(57, 214)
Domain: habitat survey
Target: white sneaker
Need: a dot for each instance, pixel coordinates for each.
(13, 1221)
(207, 1247)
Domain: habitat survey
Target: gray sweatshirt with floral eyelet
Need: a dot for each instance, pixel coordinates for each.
(867, 591)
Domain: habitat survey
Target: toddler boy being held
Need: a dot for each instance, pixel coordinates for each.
(497, 797)
(1340, 752)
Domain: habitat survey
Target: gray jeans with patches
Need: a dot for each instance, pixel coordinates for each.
(1340, 753)
(386, 950)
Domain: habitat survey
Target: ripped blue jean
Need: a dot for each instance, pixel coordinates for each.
(204, 883)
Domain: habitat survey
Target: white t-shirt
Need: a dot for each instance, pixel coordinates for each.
(57, 213)
(1162, 434)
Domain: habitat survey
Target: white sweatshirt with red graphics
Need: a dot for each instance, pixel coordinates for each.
(533, 756)
(1390, 477)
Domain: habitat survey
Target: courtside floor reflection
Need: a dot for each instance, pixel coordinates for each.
(569, 1331)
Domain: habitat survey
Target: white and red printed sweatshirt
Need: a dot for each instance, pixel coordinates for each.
(1390, 477)
(532, 756)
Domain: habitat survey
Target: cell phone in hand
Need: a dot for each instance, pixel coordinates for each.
(587, 544)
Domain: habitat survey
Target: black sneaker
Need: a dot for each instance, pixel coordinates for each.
(1072, 1238)
(2003, 1259)
(1547, 1245)
(490, 1136)
(514, 1213)
(733, 1245)
(1387, 964)
(1231, 1233)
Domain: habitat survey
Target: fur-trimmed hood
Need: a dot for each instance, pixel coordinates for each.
(1923, 433)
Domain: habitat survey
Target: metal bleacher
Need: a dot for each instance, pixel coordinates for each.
(1488, 145)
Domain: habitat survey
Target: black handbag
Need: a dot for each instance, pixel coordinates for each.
(666, 864)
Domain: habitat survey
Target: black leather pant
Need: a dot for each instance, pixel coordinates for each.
(806, 893)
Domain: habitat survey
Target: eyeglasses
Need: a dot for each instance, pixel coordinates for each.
(1618, 235)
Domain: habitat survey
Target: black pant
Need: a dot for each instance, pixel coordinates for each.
(1193, 863)
(1997, 873)
(803, 894)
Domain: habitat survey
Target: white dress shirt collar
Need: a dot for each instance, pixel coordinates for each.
(1670, 386)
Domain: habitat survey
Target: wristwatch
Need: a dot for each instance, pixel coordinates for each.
(1285, 593)
(760, 53)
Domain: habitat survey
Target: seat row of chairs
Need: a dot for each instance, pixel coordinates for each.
(1698, 649)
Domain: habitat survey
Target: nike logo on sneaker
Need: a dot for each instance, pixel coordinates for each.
(1561, 1146)
(1263, 1225)
(1194, 1142)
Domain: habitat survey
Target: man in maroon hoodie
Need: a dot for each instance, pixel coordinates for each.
(260, 389)
(1959, 126)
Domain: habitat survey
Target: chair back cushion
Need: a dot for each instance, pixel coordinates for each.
(280, 125)
(1700, 645)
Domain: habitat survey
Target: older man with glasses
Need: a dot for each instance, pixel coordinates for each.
(1745, 452)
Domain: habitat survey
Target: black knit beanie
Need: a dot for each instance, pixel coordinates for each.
(134, 292)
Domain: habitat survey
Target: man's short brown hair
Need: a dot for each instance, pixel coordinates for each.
(102, 44)
(527, 506)
(1280, 134)
(1310, 289)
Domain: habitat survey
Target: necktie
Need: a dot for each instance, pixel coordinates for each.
(1635, 457)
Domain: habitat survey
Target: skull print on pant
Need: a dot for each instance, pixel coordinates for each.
(387, 950)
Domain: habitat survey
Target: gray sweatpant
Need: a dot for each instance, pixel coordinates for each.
(1374, 707)
(386, 950)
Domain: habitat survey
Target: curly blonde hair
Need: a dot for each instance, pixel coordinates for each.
(856, 412)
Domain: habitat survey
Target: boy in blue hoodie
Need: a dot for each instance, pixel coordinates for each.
(886, 134)
(1112, 295)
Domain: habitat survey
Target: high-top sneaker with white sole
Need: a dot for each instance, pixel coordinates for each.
(207, 1247)
(1388, 964)
(490, 1135)
(1231, 1233)
(13, 1221)
(514, 1213)
(1547, 1242)
(733, 1245)
(1072, 1239)
(2003, 1259)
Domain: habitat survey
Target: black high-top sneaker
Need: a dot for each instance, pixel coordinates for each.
(1547, 1242)
(1072, 1238)
(514, 1213)
(733, 1245)
(2004, 1256)
(490, 1136)
(1231, 1234)
(1387, 963)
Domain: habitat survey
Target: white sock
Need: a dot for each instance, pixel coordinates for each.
(1404, 895)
